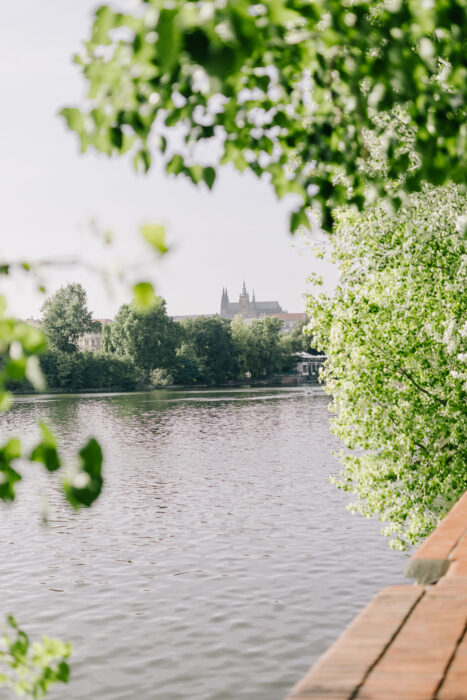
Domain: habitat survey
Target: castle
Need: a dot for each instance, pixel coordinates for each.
(246, 308)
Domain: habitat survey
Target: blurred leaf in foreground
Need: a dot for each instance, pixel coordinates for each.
(30, 668)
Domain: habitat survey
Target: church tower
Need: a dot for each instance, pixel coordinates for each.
(224, 302)
(244, 302)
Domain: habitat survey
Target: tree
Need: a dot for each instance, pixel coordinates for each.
(336, 101)
(66, 317)
(395, 334)
(208, 345)
(186, 368)
(243, 346)
(270, 354)
(260, 348)
(149, 338)
(300, 340)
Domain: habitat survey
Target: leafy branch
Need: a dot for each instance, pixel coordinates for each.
(29, 669)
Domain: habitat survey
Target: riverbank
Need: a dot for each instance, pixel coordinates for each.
(275, 381)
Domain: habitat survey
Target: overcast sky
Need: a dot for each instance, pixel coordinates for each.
(50, 192)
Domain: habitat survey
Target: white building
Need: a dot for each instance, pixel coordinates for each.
(308, 364)
(90, 342)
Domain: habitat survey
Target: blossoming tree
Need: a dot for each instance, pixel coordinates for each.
(395, 334)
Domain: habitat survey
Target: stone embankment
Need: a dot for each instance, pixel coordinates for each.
(410, 642)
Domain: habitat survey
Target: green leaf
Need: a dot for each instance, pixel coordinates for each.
(86, 484)
(12, 622)
(104, 22)
(12, 449)
(63, 672)
(154, 234)
(169, 41)
(73, 118)
(175, 165)
(142, 161)
(9, 476)
(32, 339)
(46, 450)
(6, 400)
(209, 176)
(143, 296)
(16, 369)
(194, 172)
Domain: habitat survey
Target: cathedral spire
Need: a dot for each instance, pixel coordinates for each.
(244, 289)
(224, 302)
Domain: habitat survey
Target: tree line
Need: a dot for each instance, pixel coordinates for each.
(144, 348)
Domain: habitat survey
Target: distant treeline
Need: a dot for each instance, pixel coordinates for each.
(141, 349)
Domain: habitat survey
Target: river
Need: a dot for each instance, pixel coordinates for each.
(219, 562)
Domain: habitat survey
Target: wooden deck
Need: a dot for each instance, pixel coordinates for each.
(410, 642)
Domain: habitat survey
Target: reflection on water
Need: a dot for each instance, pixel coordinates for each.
(219, 561)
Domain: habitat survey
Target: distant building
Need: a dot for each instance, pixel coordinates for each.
(308, 364)
(246, 308)
(90, 342)
(258, 309)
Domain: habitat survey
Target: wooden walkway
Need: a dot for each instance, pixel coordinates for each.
(410, 642)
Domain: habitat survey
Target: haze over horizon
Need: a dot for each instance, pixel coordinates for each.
(50, 193)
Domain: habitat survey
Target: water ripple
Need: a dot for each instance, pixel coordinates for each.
(219, 561)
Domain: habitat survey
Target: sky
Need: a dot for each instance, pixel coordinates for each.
(56, 202)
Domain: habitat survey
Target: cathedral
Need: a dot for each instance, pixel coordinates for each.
(246, 308)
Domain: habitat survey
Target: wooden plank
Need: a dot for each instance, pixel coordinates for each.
(414, 665)
(341, 670)
(454, 686)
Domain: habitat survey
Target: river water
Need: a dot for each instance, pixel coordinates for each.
(219, 562)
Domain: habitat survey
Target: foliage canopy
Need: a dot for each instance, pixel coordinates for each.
(338, 101)
(207, 348)
(89, 371)
(260, 349)
(395, 334)
(66, 317)
(148, 337)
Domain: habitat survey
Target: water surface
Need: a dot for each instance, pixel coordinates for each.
(218, 563)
